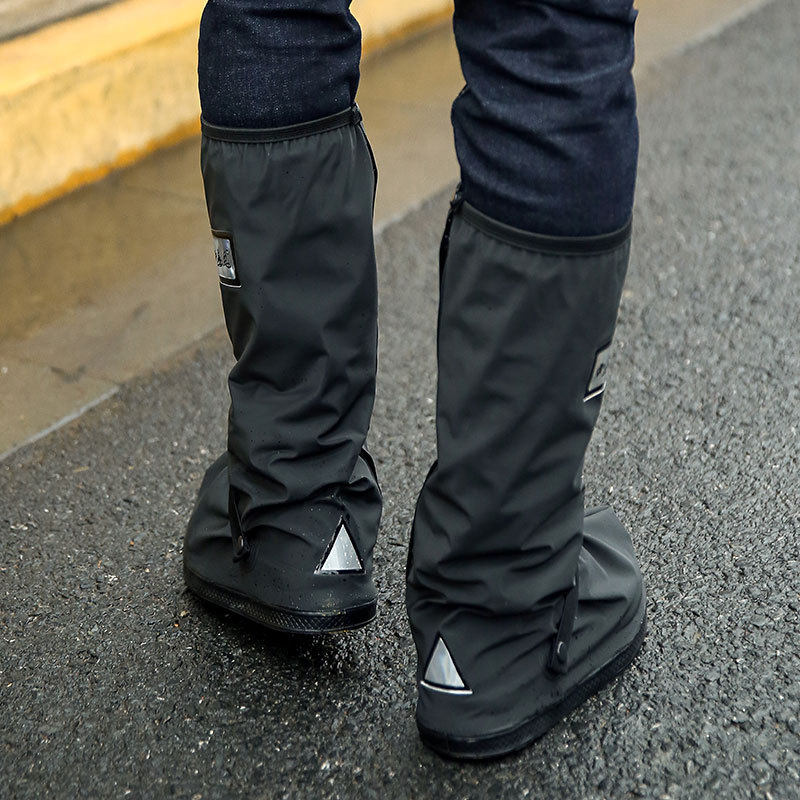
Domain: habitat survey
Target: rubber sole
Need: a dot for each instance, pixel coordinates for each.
(282, 619)
(527, 732)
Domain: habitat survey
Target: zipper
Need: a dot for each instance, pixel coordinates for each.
(360, 126)
(455, 203)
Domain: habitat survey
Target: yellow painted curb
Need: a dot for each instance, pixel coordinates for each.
(93, 93)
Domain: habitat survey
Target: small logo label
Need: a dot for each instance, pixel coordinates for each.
(597, 381)
(226, 262)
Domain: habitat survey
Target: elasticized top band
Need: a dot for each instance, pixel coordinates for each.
(564, 245)
(350, 116)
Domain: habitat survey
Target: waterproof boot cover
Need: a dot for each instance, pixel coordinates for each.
(286, 520)
(520, 605)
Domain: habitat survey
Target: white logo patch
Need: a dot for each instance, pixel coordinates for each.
(342, 555)
(597, 383)
(226, 263)
(441, 674)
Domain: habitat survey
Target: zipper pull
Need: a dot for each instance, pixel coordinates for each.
(455, 203)
(456, 200)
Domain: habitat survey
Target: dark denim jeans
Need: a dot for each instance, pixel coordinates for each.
(545, 127)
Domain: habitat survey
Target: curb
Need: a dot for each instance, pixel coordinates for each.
(97, 92)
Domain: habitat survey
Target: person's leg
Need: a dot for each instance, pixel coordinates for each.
(267, 64)
(287, 518)
(545, 128)
(520, 606)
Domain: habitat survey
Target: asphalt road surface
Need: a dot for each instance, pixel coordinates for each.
(115, 683)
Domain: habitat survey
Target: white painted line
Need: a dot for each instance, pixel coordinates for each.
(719, 27)
(708, 32)
(62, 422)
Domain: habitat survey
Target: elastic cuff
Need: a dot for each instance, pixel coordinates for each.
(541, 243)
(350, 116)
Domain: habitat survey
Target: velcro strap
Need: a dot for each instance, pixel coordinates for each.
(241, 546)
(559, 654)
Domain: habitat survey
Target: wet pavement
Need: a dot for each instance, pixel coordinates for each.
(116, 683)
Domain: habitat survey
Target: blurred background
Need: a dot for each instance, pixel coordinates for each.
(89, 88)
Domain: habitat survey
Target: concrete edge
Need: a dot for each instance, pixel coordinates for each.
(94, 93)
(60, 423)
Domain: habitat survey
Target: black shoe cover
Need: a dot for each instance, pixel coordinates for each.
(286, 520)
(520, 606)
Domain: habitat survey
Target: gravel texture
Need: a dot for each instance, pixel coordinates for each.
(116, 683)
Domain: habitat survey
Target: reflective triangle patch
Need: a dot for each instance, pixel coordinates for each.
(342, 555)
(441, 674)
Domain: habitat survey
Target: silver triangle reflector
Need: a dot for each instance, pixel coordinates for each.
(441, 673)
(342, 555)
